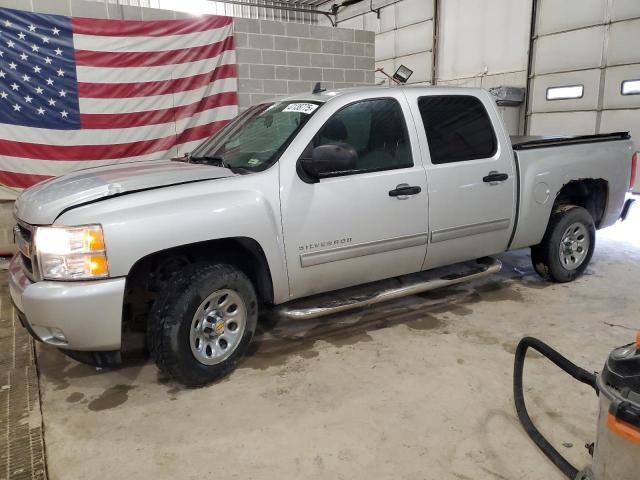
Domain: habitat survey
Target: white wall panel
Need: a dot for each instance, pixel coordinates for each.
(614, 77)
(590, 79)
(564, 123)
(625, 9)
(409, 12)
(385, 45)
(387, 19)
(475, 34)
(414, 38)
(624, 42)
(622, 121)
(420, 63)
(371, 22)
(355, 23)
(569, 51)
(558, 16)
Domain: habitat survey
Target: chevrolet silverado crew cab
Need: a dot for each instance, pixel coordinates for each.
(321, 192)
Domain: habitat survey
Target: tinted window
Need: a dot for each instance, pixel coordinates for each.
(458, 128)
(377, 131)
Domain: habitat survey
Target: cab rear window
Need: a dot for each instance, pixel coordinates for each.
(458, 128)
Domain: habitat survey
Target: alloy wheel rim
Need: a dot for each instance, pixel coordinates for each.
(574, 246)
(217, 327)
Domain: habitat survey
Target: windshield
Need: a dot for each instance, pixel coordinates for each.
(254, 140)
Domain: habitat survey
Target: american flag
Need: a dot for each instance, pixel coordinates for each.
(81, 92)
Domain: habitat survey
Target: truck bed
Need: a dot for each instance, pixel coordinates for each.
(545, 168)
(544, 141)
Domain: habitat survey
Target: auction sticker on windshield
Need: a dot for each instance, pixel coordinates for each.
(301, 107)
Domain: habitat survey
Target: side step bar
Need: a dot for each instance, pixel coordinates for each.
(487, 266)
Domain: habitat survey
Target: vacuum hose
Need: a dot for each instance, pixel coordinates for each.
(518, 396)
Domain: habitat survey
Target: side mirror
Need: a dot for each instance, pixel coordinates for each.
(329, 160)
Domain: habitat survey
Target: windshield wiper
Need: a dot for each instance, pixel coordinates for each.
(215, 160)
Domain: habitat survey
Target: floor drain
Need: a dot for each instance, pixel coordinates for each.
(21, 441)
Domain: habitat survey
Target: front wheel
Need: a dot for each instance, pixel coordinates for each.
(567, 246)
(202, 323)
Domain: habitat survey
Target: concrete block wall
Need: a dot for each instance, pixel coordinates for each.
(277, 59)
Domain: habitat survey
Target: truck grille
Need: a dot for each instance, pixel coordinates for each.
(23, 235)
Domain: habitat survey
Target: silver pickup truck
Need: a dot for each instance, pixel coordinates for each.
(299, 197)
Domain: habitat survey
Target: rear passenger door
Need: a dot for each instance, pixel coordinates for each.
(470, 175)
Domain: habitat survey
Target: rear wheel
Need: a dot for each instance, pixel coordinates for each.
(202, 323)
(567, 246)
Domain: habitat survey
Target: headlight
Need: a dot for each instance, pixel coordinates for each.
(71, 253)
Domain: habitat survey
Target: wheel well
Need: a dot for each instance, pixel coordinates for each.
(149, 275)
(590, 194)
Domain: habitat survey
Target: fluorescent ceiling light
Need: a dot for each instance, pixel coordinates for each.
(565, 93)
(630, 87)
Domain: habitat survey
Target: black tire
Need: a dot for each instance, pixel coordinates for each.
(546, 255)
(170, 321)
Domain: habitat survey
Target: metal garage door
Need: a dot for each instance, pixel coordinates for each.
(585, 67)
(404, 34)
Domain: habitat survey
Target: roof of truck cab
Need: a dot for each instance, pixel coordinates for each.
(330, 93)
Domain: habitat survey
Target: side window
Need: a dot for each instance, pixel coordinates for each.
(458, 128)
(375, 129)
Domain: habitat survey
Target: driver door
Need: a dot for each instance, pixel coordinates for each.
(352, 227)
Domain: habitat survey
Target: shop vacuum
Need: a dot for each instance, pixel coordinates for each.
(616, 451)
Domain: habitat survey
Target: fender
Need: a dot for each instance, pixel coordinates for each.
(146, 222)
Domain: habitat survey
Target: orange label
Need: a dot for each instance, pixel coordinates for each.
(624, 429)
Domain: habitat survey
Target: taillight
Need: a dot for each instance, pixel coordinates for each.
(634, 170)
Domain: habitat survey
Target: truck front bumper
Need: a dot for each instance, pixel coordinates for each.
(85, 316)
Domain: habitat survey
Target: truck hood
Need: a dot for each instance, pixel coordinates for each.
(43, 203)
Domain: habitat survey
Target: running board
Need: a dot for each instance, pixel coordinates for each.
(409, 285)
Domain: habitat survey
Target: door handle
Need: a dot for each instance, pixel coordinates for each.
(495, 177)
(404, 190)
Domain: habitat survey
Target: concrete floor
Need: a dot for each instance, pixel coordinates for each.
(415, 389)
